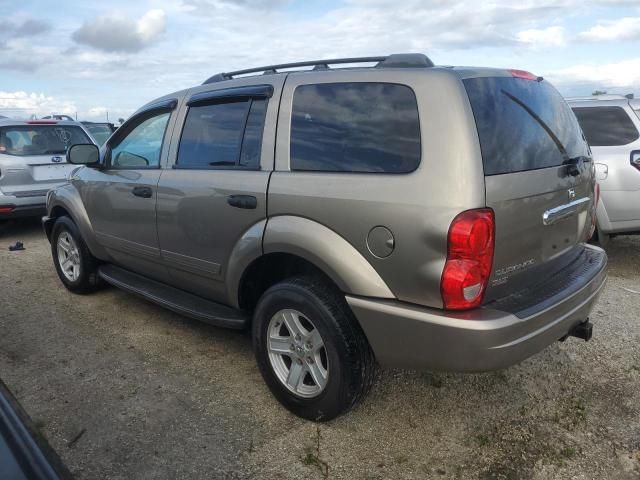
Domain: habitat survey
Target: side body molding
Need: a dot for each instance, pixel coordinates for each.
(68, 197)
(328, 251)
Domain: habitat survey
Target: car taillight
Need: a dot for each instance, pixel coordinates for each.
(470, 246)
(596, 199)
(8, 209)
(597, 194)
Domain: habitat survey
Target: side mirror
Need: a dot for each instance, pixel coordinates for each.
(83, 154)
(635, 159)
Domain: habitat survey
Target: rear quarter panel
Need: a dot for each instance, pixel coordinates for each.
(417, 207)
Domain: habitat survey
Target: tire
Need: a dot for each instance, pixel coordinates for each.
(345, 357)
(85, 279)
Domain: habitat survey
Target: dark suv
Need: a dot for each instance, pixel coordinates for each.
(400, 213)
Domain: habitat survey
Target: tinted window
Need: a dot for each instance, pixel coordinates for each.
(252, 142)
(223, 135)
(522, 125)
(141, 147)
(40, 139)
(606, 126)
(355, 127)
(99, 132)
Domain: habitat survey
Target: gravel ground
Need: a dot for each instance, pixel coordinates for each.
(161, 396)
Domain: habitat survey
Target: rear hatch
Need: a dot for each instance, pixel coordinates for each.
(539, 178)
(34, 156)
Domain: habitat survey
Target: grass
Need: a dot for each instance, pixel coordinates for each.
(312, 457)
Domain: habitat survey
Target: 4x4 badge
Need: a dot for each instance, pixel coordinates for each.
(572, 194)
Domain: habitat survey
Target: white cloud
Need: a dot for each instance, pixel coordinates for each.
(619, 75)
(543, 38)
(117, 33)
(627, 28)
(23, 104)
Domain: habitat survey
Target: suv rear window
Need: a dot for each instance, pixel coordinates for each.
(355, 127)
(606, 126)
(522, 125)
(28, 140)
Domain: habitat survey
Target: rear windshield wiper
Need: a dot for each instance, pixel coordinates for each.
(563, 151)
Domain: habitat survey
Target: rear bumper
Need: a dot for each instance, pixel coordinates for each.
(408, 336)
(22, 207)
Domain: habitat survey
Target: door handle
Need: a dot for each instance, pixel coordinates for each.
(144, 192)
(243, 201)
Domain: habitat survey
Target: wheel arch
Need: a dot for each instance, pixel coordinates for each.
(66, 201)
(292, 245)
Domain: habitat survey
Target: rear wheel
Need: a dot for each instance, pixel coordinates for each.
(310, 349)
(73, 261)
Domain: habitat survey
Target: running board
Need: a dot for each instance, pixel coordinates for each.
(173, 299)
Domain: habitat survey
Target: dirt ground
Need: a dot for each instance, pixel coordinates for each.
(156, 395)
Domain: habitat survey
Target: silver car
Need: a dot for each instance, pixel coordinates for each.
(32, 161)
(611, 125)
(402, 214)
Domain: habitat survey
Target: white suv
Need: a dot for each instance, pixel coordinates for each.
(33, 161)
(611, 124)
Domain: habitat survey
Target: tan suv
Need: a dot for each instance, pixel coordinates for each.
(395, 213)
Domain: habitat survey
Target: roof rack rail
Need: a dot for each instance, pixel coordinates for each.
(398, 60)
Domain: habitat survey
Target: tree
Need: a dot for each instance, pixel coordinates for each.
(599, 92)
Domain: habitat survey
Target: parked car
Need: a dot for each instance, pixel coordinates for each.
(406, 214)
(611, 124)
(100, 131)
(32, 161)
(24, 453)
(58, 117)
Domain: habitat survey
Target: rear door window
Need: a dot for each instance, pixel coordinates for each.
(606, 126)
(355, 127)
(31, 140)
(223, 135)
(522, 125)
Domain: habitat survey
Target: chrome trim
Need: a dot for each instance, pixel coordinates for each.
(553, 215)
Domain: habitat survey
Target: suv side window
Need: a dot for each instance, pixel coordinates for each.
(606, 126)
(223, 135)
(355, 127)
(141, 147)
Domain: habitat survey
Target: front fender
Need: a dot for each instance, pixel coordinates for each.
(328, 251)
(67, 197)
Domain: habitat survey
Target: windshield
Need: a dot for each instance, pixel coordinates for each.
(100, 133)
(30, 140)
(523, 125)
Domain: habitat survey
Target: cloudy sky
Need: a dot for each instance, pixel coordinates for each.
(91, 57)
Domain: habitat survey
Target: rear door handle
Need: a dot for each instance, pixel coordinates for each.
(144, 192)
(243, 201)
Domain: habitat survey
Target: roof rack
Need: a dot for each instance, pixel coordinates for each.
(398, 60)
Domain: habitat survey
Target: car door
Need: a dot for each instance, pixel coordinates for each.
(216, 190)
(613, 131)
(121, 198)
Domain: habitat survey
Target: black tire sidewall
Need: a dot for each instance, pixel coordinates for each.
(86, 281)
(337, 395)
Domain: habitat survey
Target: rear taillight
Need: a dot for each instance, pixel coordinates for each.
(470, 246)
(8, 209)
(597, 194)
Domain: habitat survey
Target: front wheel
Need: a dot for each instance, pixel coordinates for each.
(310, 349)
(73, 261)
